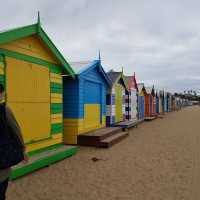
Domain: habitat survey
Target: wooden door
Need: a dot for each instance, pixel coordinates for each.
(119, 102)
(28, 95)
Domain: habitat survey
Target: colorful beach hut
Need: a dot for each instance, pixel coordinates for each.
(166, 101)
(148, 102)
(173, 103)
(153, 95)
(170, 102)
(141, 100)
(116, 98)
(84, 99)
(178, 103)
(31, 69)
(161, 102)
(132, 98)
(157, 103)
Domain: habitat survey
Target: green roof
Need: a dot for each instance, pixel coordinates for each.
(35, 29)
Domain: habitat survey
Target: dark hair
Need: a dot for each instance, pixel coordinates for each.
(1, 88)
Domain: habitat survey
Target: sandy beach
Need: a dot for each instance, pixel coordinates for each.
(159, 160)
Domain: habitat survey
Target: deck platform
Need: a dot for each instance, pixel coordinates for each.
(43, 158)
(104, 137)
(150, 118)
(128, 124)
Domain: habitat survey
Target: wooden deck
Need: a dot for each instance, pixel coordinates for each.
(104, 137)
(149, 118)
(128, 124)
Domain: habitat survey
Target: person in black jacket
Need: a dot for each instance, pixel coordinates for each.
(12, 123)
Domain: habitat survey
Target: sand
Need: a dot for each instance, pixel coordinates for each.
(160, 160)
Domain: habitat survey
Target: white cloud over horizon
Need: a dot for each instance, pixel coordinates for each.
(159, 40)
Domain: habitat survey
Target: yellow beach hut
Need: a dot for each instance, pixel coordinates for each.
(116, 108)
(31, 69)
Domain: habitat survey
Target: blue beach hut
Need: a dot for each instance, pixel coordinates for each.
(141, 100)
(166, 99)
(84, 99)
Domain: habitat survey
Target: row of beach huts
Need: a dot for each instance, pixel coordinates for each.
(61, 105)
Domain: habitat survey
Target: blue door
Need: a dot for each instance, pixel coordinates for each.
(141, 107)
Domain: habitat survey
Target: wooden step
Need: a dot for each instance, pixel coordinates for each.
(42, 159)
(93, 138)
(117, 137)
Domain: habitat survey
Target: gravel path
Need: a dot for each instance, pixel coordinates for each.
(160, 160)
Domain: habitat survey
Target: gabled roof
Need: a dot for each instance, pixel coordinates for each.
(116, 76)
(78, 67)
(84, 67)
(153, 91)
(141, 88)
(148, 90)
(130, 80)
(161, 93)
(35, 29)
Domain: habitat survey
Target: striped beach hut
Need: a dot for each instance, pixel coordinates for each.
(84, 99)
(132, 98)
(116, 108)
(31, 69)
(141, 100)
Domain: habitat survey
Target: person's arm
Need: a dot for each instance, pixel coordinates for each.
(13, 125)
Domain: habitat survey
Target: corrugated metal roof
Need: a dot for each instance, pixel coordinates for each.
(80, 66)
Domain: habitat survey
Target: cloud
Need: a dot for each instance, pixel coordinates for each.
(159, 40)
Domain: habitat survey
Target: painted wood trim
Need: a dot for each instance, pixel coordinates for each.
(56, 128)
(56, 85)
(1, 68)
(16, 173)
(56, 98)
(14, 34)
(21, 32)
(52, 67)
(56, 52)
(1, 58)
(56, 78)
(2, 78)
(57, 90)
(56, 95)
(57, 116)
(56, 108)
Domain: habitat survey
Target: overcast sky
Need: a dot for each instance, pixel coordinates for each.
(159, 40)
